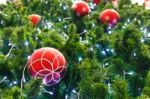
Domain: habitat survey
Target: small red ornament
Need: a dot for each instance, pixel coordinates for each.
(34, 18)
(96, 2)
(109, 16)
(49, 64)
(81, 8)
(147, 4)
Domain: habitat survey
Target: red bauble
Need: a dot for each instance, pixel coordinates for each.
(81, 8)
(34, 18)
(96, 1)
(49, 64)
(109, 16)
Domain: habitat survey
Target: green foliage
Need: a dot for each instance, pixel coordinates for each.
(92, 75)
(120, 89)
(33, 89)
(97, 56)
(91, 69)
(143, 97)
(100, 91)
(93, 91)
(52, 39)
(11, 93)
(146, 89)
(147, 82)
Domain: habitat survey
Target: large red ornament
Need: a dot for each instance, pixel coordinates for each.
(81, 8)
(34, 18)
(109, 16)
(49, 64)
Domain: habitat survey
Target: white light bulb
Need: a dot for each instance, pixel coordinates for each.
(29, 57)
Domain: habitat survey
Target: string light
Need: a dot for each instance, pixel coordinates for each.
(91, 49)
(131, 73)
(5, 77)
(134, 54)
(46, 2)
(59, 19)
(74, 91)
(79, 58)
(10, 84)
(112, 50)
(15, 82)
(142, 40)
(49, 92)
(128, 20)
(105, 64)
(26, 43)
(92, 6)
(97, 45)
(48, 24)
(12, 46)
(65, 7)
(107, 49)
(66, 97)
(109, 32)
(65, 26)
(103, 52)
(84, 31)
(39, 31)
(36, 38)
(60, 4)
(148, 35)
(28, 57)
(109, 88)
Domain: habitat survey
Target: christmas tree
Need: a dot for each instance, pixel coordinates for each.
(102, 48)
